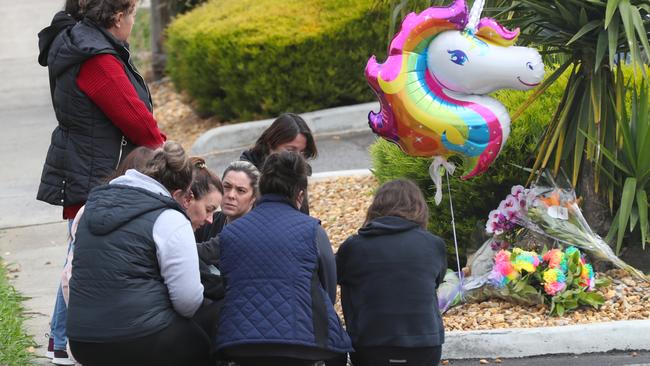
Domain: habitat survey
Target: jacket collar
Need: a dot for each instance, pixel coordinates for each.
(272, 197)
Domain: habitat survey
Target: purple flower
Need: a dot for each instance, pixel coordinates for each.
(517, 190)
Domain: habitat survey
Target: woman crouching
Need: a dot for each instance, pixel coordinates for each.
(388, 274)
(136, 281)
(281, 278)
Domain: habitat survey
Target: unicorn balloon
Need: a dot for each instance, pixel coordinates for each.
(430, 87)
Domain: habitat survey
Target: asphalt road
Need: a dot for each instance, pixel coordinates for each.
(627, 358)
(340, 152)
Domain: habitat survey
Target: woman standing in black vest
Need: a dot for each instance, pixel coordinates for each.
(388, 274)
(103, 108)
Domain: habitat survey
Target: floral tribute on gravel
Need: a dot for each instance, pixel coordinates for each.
(530, 221)
(341, 204)
(562, 279)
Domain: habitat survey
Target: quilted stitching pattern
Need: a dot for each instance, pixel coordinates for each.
(268, 267)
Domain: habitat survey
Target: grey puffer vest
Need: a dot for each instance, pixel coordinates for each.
(86, 146)
(116, 290)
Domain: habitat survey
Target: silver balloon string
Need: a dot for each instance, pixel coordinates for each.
(453, 227)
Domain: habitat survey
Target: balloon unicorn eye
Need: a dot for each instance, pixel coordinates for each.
(529, 65)
(458, 57)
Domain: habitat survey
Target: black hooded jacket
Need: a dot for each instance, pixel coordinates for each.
(116, 291)
(86, 146)
(389, 274)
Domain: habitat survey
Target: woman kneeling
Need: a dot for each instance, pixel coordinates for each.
(281, 276)
(136, 281)
(388, 274)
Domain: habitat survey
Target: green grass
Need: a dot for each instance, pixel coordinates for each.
(14, 342)
(140, 40)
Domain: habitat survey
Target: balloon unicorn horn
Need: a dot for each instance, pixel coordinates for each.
(431, 86)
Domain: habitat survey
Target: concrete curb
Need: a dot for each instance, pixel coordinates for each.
(317, 177)
(571, 339)
(326, 122)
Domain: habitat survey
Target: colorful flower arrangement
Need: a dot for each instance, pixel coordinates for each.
(563, 278)
(551, 217)
(552, 212)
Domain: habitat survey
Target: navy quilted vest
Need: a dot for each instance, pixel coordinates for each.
(273, 296)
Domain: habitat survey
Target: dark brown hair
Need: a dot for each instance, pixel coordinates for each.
(103, 12)
(204, 180)
(170, 166)
(284, 129)
(74, 8)
(137, 159)
(401, 198)
(284, 173)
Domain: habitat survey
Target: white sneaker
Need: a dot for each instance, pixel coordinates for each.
(61, 358)
(50, 347)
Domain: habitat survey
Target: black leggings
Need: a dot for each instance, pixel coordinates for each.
(396, 356)
(184, 342)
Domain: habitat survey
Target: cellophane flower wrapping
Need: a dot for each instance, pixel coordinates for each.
(562, 278)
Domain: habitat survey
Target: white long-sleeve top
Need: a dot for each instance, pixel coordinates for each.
(175, 248)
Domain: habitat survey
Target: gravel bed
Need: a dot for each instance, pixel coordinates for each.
(341, 204)
(175, 117)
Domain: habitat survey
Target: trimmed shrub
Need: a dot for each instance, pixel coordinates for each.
(473, 199)
(252, 58)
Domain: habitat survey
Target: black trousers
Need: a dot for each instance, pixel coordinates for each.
(287, 361)
(184, 342)
(396, 356)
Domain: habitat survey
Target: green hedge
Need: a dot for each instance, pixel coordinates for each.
(256, 58)
(473, 199)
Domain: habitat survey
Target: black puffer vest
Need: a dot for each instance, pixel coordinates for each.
(86, 146)
(116, 290)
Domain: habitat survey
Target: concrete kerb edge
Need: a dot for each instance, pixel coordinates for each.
(322, 176)
(525, 342)
(326, 122)
(571, 339)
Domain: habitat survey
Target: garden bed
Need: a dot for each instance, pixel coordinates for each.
(341, 205)
(175, 116)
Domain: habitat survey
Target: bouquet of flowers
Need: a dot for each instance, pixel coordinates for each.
(562, 279)
(554, 213)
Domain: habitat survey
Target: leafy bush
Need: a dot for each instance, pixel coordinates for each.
(473, 199)
(14, 342)
(253, 58)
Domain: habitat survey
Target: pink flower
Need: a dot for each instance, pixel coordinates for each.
(553, 288)
(517, 190)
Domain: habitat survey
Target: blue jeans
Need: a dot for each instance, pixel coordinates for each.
(60, 313)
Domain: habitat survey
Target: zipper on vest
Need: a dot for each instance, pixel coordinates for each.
(119, 157)
(135, 71)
